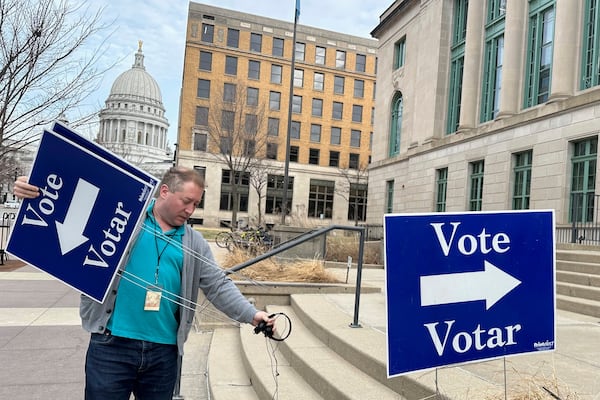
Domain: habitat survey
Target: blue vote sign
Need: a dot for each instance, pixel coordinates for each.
(91, 201)
(468, 286)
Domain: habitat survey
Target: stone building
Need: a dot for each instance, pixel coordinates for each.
(237, 71)
(486, 105)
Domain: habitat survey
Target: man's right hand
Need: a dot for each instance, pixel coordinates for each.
(24, 190)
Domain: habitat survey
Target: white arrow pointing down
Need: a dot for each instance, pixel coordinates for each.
(70, 231)
(490, 285)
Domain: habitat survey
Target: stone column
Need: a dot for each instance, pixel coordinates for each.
(564, 58)
(514, 39)
(472, 72)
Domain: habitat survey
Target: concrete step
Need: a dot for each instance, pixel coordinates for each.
(577, 266)
(578, 305)
(227, 377)
(579, 255)
(578, 278)
(328, 373)
(578, 291)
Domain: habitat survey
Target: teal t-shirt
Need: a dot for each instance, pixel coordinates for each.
(129, 318)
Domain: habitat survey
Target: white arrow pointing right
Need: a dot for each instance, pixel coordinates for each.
(490, 285)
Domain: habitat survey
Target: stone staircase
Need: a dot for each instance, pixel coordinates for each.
(578, 279)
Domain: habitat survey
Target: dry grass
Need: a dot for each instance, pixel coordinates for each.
(270, 270)
(538, 388)
(339, 247)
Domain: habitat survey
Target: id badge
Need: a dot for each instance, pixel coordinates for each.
(153, 296)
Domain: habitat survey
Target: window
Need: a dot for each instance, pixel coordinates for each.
(249, 147)
(298, 77)
(317, 107)
(233, 38)
(227, 120)
(320, 53)
(256, 42)
(320, 198)
(201, 116)
(359, 88)
(340, 59)
(200, 140)
(275, 192)
(271, 151)
(337, 110)
(278, 47)
(207, 33)
(590, 68)
(274, 101)
(476, 186)
(273, 127)
(396, 125)
(338, 84)
(361, 63)
(319, 81)
(295, 131)
(457, 59)
(522, 180)
(231, 65)
(492, 79)
(205, 61)
(294, 153)
(225, 145)
(336, 135)
(243, 188)
(297, 104)
(539, 56)
(441, 189)
(315, 133)
(229, 90)
(276, 71)
(203, 89)
(356, 113)
(389, 196)
(202, 172)
(251, 124)
(334, 158)
(583, 180)
(252, 96)
(355, 138)
(313, 156)
(399, 53)
(353, 160)
(300, 50)
(253, 69)
(357, 202)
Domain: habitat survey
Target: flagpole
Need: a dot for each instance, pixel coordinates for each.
(286, 178)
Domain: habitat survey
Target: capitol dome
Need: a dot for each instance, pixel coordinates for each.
(133, 122)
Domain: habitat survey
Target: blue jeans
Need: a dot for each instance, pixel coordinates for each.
(115, 367)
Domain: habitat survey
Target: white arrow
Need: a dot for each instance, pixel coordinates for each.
(490, 285)
(70, 232)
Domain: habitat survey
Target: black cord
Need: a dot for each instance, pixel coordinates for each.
(268, 330)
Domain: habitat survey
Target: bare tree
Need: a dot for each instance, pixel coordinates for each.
(259, 178)
(237, 134)
(353, 189)
(47, 68)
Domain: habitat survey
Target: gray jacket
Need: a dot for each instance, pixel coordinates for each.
(199, 271)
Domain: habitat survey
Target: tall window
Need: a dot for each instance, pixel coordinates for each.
(319, 81)
(300, 50)
(320, 198)
(340, 59)
(522, 180)
(357, 202)
(590, 68)
(205, 61)
(253, 69)
(276, 71)
(278, 47)
(231, 65)
(357, 113)
(476, 186)
(275, 189)
(274, 101)
(353, 160)
(252, 96)
(361, 63)
(389, 196)
(337, 110)
(295, 130)
(320, 55)
(256, 42)
(493, 60)
(396, 125)
(583, 180)
(315, 133)
(229, 91)
(273, 127)
(271, 153)
(336, 135)
(298, 78)
(243, 188)
(201, 116)
(539, 54)
(338, 84)
(207, 33)
(355, 138)
(399, 53)
(359, 88)
(457, 59)
(294, 153)
(313, 156)
(233, 37)
(317, 107)
(297, 104)
(334, 158)
(203, 89)
(441, 188)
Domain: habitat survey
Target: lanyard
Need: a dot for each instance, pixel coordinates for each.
(159, 254)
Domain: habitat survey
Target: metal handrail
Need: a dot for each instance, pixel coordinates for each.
(306, 237)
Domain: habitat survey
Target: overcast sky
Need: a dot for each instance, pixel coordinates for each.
(161, 25)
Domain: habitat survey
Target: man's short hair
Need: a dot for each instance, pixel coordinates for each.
(175, 177)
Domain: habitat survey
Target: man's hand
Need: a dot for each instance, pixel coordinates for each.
(24, 190)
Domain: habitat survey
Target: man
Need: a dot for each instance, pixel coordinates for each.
(139, 330)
